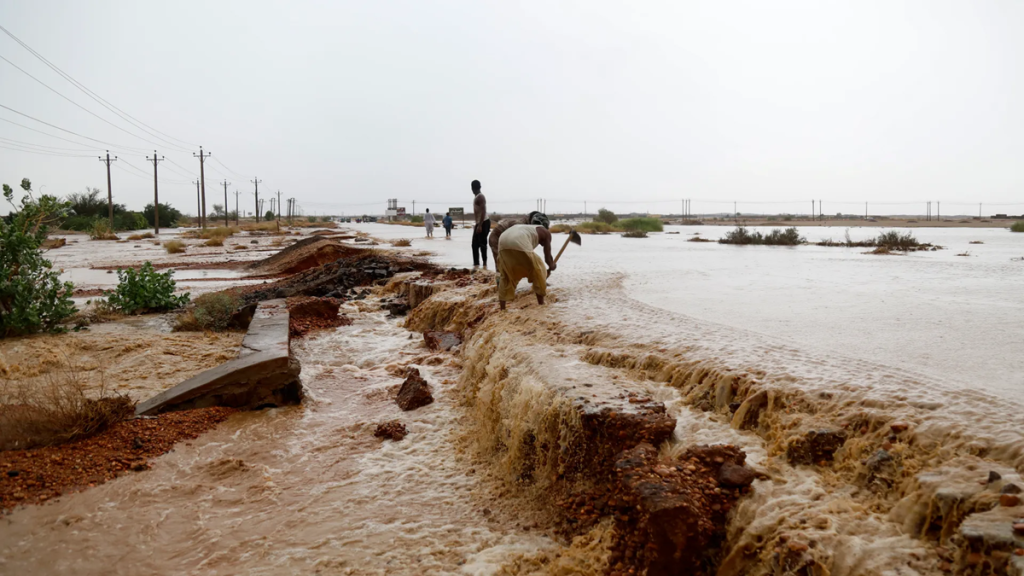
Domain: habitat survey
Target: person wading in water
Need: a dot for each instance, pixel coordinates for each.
(482, 227)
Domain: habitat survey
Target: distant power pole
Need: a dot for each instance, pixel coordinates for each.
(110, 195)
(199, 205)
(156, 196)
(226, 202)
(278, 213)
(202, 180)
(236, 207)
(257, 181)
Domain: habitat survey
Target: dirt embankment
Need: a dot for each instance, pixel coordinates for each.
(305, 254)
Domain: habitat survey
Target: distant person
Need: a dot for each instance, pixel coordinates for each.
(517, 260)
(428, 221)
(482, 227)
(535, 218)
(447, 222)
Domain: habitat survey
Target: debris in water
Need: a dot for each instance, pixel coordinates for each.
(436, 340)
(392, 430)
(415, 392)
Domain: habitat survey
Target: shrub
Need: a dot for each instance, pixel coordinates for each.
(169, 215)
(635, 234)
(416, 219)
(645, 224)
(788, 237)
(59, 410)
(894, 240)
(141, 236)
(311, 219)
(326, 219)
(130, 221)
(594, 228)
(90, 204)
(79, 223)
(32, 297)
(741, 236)
(270, 216)
(174, 246)
(101, 231)
(215, 241)
(1018, 226)
(144, 290)
(210, 312)
(401, 242)
(606, 216)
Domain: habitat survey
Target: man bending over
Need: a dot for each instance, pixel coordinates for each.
(517, 260)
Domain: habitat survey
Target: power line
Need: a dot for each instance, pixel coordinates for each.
(44, 153)
(47, 148)
(69, 131)
(96, 97)
(83, 107)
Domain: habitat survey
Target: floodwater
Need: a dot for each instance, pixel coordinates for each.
(927, 337)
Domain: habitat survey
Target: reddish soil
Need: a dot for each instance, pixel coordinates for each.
(35, 476)
(309, 313)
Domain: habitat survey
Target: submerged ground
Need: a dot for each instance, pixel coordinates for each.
(915, 355)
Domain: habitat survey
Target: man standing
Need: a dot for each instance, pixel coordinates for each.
(428, 221)
(517, 260)
(482, 226)
(447, 222)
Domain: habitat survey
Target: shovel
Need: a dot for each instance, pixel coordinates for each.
(575, 238)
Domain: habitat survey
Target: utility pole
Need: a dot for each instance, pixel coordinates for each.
(156, 196)
(865, 210)
(278, 213)
(202, 179)
(938, 211)
(226, 202)
(257, 181)
(199, 206)
(110, 195)
(236, 207)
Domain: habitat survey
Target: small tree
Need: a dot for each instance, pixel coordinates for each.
(32, 297)
(606, 216)
(268, 216)
(169, 215)
(145, 290)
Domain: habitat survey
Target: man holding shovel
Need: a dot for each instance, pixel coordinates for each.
(517, 260)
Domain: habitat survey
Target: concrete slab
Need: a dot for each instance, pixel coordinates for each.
(263, 374)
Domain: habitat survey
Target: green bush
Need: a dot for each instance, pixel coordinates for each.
(595, 228)
(130, 221)
(169, 215)
(788, 237)
(32, 297)
(635, 234)
(101, 230)
(416, 219)
(645, 224)
(606, 216)
(79, 223)
(270, 216)
(312, 219)
(1017, 226)
(144, 290)
(893, 240)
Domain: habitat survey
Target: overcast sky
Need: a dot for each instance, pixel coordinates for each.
(633, 106)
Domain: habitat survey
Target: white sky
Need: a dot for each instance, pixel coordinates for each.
(627, 105)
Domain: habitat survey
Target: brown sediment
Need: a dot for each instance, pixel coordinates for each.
(35, 476)
(309, 313)
(305, 254)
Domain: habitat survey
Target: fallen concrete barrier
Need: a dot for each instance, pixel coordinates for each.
(263, 374)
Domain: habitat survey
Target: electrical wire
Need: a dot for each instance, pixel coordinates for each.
(51, 148)
(96, 97)
(70, 132)
(86, 109)
(45, 153)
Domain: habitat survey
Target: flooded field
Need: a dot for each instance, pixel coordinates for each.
(912, 361)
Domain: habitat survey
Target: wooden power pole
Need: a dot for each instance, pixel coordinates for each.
(226, 203)
(156, 195)
(199, 205)
(110, 194)
(202, 180)
(236, 207)
(257, 181)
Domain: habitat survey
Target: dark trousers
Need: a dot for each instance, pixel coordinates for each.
(480, 243)
(447, 230)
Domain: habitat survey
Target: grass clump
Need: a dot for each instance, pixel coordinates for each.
(1017, 226)
(59, 410)
(595, 228)
(213, 311)
(401, 242)
(635, 234)
(215, 241)
(788, 237)
(174, 246)
(144, 290)
(100, 230)
(645, 224)
(145, 236)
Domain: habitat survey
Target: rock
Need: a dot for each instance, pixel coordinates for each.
(735, 475)
(815, 446)
(415, 392)
(398, 307)
(241, 318)
(13, 473)
(392, 430)
(1009, 500)
(254, 242)
(899, 427)
(1011, 488)
(419, 291)
(878, 460)
(441, 340)
(798, 547)
(994, 476)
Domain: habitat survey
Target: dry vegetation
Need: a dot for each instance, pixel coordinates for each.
(215, 241)
(174, 246)
(59, 410)
(401, 242)
(141, 236)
